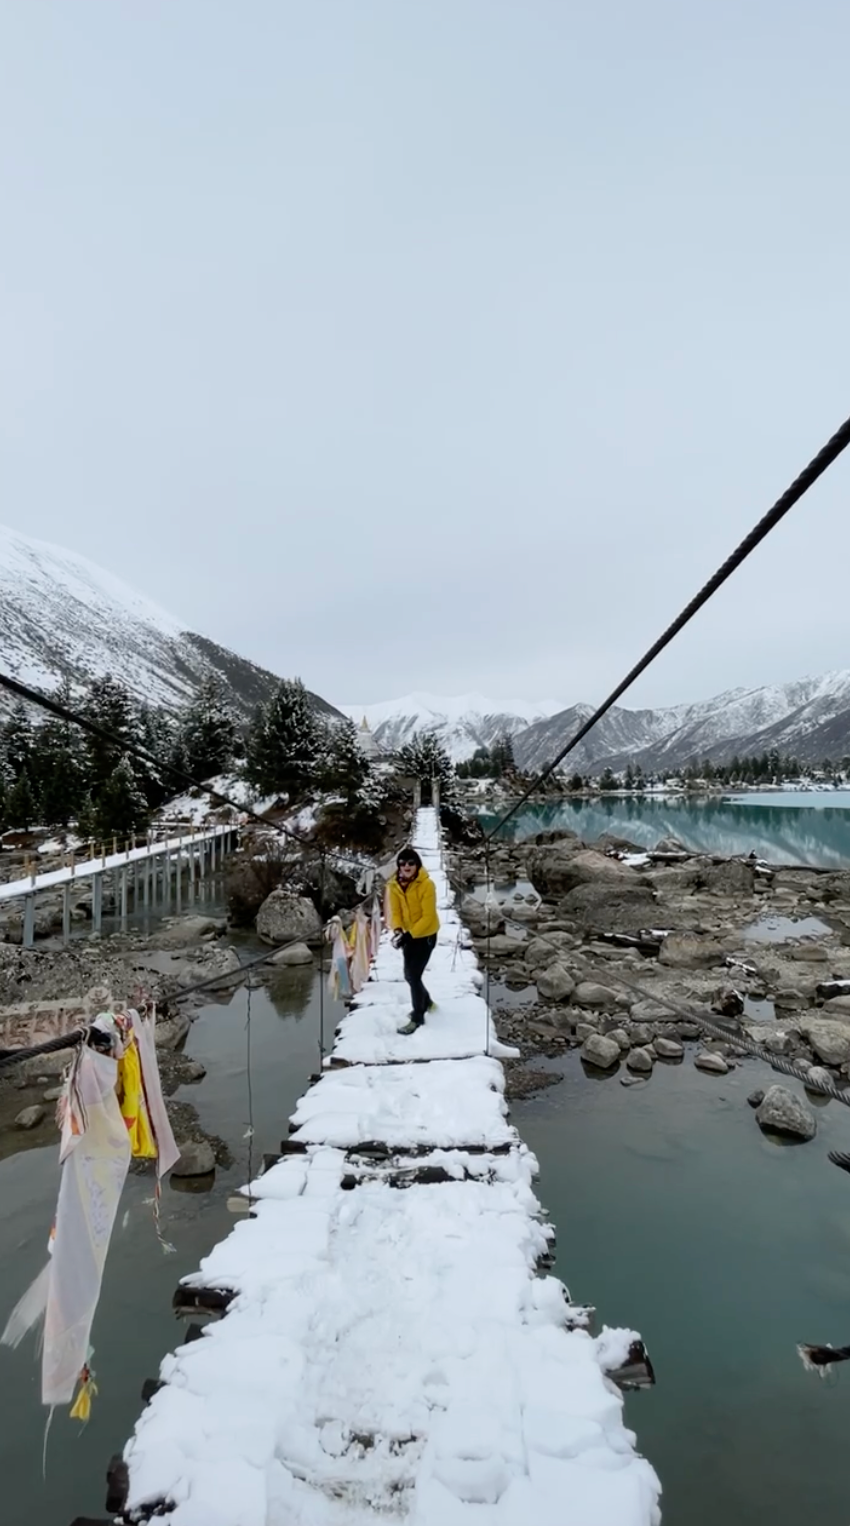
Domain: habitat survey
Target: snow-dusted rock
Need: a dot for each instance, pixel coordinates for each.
(668, 1049)
(639, 1060)
(782, 1112)
(296, 953)
(283, 916)
(196, 1159)
(555, 983)
(713, 1063)
(600, 1051)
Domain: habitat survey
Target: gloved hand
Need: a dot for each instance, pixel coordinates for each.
(397, 938)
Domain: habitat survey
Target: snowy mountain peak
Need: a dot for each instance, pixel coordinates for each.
(61, 615)
(461, 721)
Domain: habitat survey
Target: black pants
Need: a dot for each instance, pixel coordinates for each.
(417, 952)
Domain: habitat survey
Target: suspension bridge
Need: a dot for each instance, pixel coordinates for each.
(386, 1338)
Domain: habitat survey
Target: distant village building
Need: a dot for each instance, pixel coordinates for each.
(366, 742)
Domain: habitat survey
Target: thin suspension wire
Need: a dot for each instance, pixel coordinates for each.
(815, 469)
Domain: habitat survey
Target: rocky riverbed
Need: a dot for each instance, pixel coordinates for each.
(629, 955)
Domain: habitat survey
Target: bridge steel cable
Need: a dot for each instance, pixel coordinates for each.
(792, 495)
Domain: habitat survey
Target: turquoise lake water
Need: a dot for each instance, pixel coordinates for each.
(809, 828)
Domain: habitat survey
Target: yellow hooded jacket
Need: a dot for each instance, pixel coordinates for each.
(414, 910)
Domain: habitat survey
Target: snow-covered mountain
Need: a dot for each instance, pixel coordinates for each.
(809, 717)
(63, 616)
(462, 723)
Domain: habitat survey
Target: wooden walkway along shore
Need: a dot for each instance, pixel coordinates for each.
(133, 868)
(386, 1341)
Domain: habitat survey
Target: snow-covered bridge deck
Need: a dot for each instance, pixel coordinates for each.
(53, 879)
(391, 1351)
(162, 857)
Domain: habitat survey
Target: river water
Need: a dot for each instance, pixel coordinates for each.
(799, 828)
(674, 1215)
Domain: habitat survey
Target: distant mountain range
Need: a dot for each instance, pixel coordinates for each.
(809, 717)
(463, 723)
(62, 616)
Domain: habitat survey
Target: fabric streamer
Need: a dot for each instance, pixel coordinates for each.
(375, 927)
(95, 1160)
(99, 1137)
(134, 1108)
(358, 940)
(339, 984)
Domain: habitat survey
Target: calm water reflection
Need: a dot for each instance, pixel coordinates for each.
(791, 829)
(676, 1216)
(134, 1327)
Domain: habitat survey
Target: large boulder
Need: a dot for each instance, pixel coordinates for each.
(640, 1060)
(196, 1159)
(30, 1117)
(713, 1063)
(600, 1052)
(589, 994)
(838, 1007)
(691, 951)
(608, 906)
(668, 1049)
(481, 918)
(783, 1113)
(555, 983)
(502, 947)
(560, 867)
(296, 953)
(735, 877)
(830, 1040)
(542, 951)
(283, 916)
(183, 931)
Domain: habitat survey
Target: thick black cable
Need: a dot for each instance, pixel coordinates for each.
(815, 469)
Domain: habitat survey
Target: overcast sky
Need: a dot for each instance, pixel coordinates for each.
(442, 345)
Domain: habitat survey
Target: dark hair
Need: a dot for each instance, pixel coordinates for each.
(408, 856)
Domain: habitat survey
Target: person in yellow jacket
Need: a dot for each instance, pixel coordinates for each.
(415, 924)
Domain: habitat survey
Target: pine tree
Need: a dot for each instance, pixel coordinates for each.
(57, 772)
(121, 806)
(17, 740)
(109, 705)
(22, 803)
(344, 765)
(502, 756)
(425, 758)
(208, 733)
(284, 743)
(155, 732)
(85, 822)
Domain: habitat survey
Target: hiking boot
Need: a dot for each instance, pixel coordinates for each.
(411, 1027)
